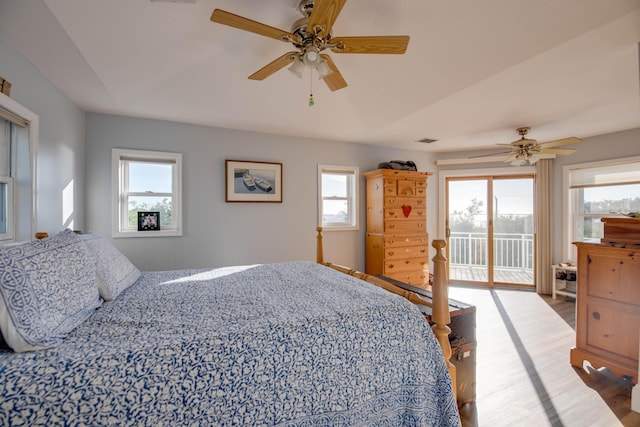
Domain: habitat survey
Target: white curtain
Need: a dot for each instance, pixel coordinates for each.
(543, 226)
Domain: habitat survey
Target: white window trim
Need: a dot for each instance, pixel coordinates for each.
(568, 202)
(353, 196)
(32, 120)
(10, 225)
(120, 212)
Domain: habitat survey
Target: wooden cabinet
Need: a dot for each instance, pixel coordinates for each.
(608, 308)
(397, 242)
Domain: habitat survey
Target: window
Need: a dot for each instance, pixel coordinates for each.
(146, 181)
(338, 197)
(18, 143)
(597, 190)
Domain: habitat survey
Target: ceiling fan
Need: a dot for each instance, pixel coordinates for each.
(312, 35)
(526, 150)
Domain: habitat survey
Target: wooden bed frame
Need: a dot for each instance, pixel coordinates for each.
(439, 305)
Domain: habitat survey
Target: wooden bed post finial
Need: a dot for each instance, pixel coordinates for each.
(441, 317)
(319, 250)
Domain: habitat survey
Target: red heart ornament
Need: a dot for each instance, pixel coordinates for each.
(406, 210)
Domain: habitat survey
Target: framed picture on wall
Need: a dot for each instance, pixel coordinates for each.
(248, 181)
(148, 221)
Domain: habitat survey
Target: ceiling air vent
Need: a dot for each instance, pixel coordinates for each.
(427, 140)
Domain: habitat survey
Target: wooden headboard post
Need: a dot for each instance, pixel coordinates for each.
(319, 250)
(441, 317)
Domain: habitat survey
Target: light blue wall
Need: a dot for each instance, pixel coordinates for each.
(218, 233)
(61, 173)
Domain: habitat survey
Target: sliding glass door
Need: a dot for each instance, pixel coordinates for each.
(490, 229)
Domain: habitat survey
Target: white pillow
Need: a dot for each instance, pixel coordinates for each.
(47, 289)
(114, 271)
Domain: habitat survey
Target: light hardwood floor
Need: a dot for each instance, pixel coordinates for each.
(523, 373)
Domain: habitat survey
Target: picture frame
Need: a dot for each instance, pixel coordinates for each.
(250, 181)
(148, 221)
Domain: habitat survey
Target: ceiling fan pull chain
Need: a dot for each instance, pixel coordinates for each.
(311, 100)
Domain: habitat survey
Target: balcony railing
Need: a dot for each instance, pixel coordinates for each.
(510, 250)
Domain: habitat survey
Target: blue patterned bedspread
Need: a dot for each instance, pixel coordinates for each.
(289, 344)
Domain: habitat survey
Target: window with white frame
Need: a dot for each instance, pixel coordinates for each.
(597, 190)
(338, 197)
(146, 181)
(15, 177)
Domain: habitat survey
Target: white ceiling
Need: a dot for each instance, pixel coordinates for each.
(473, 71)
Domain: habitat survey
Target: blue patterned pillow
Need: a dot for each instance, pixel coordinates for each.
(114, 271)
(47, 288)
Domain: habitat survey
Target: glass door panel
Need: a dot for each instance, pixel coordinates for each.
(467, 230)
(513, 245)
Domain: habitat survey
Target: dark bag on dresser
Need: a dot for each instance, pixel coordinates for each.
(398, 165)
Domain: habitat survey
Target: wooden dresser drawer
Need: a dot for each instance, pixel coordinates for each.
(401, 241)
(404, 226)
(414, 278)
(402, 212)
(398, 202)
(390, 187)
(411, 264)
(396, 253)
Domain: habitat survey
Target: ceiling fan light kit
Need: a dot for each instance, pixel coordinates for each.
(311, 35)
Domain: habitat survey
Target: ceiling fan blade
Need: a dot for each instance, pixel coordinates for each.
(562, 151)
(274, 66)
(335, 81)
(323, 15)
(559, 142)
(227, 18)
(490, 155)
(371, 44)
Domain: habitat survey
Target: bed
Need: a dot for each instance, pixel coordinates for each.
(90, 340)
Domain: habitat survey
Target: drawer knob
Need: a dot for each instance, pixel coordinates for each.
(392, 226)
(596, 315)
(391, 265)
(391, 253)
(392, 213)
(407, 262)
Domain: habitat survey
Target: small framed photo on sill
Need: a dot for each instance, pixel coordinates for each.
(148, 221)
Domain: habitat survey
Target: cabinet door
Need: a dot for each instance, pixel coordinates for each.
(406, 187)
(614, 277)
(613, 328)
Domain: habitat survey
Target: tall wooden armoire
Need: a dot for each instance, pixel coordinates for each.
(397, 243)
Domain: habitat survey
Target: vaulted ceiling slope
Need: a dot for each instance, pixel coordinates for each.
(473, 71)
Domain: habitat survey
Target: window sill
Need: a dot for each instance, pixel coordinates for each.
(340, 228)
(150, 233)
